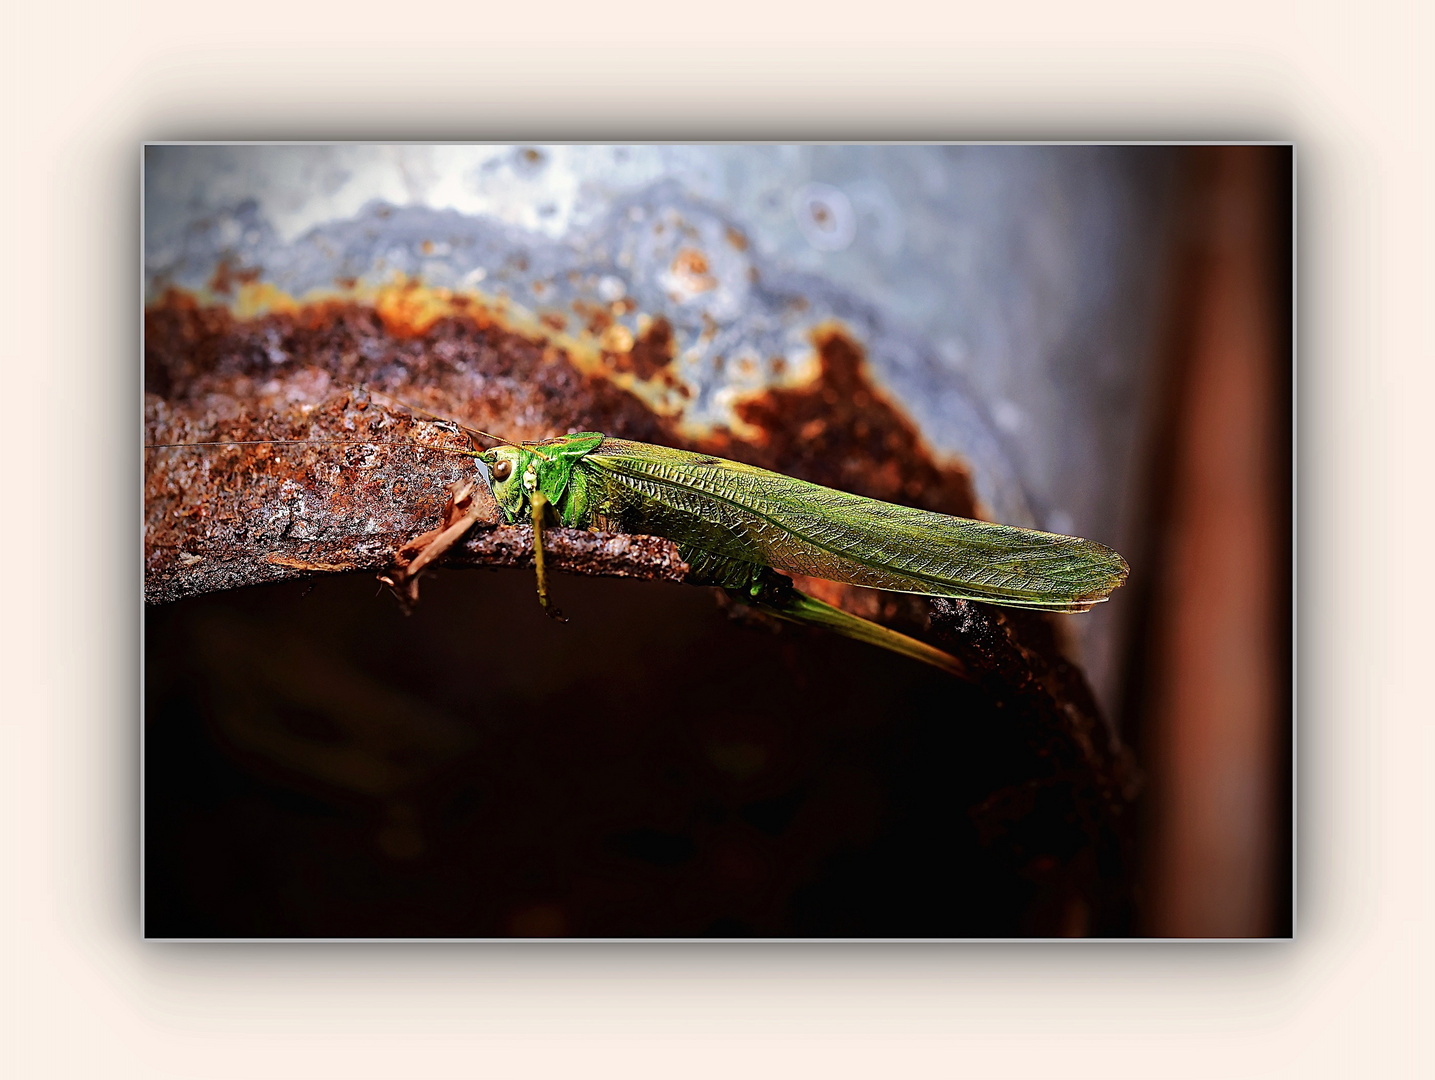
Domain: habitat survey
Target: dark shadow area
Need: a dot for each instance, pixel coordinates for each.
(318, 765)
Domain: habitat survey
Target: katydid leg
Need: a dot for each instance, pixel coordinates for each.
(539, 502)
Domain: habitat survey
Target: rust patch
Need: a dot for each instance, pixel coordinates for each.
(689, 275)
(595, 317)
(410, 310)
(220, 282)
(650, 354)
(226, 277)
(690, 266)
(462, 366)
(842, 431)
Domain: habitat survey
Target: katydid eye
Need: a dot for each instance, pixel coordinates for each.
(502, 469)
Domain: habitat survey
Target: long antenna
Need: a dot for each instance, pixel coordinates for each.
(313, 442)
(435, 416)
(456, 423)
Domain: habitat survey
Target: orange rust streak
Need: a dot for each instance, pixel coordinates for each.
(304, 564)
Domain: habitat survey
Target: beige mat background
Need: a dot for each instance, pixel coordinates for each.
(85, 84)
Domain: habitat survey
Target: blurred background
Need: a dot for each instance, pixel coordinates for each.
(1096, 340)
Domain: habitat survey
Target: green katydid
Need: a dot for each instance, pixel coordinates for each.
(740, 527)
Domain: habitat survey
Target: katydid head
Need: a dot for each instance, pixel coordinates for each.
(512, 478)
(516, 473)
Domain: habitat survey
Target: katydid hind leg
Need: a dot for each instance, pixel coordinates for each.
(765, 589)
(798, 607)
